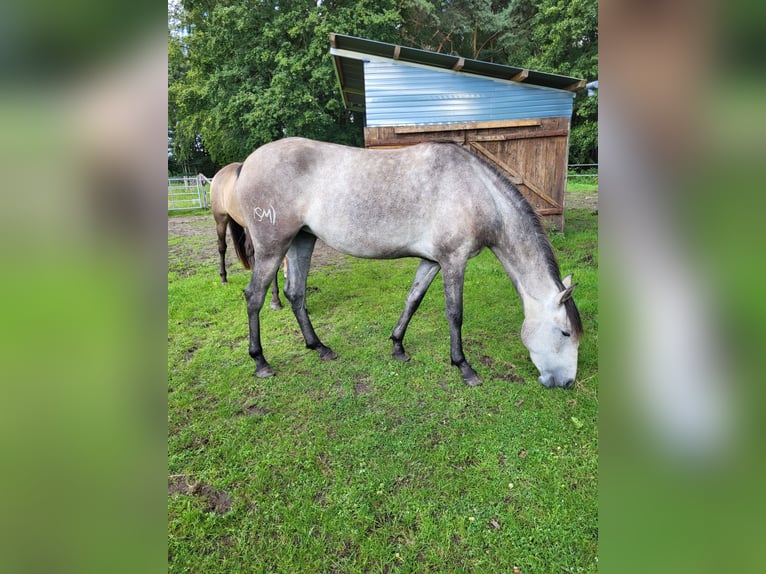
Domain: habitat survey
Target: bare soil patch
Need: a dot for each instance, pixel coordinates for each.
(217, 501)
(582, 200)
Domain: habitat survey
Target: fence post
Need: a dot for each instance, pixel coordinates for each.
(200, 193)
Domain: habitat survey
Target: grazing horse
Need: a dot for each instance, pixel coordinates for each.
(227, 213)
(435, 201)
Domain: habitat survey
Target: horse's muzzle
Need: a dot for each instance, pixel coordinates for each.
(549, 381)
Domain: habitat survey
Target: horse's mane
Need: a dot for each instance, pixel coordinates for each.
(539, 233)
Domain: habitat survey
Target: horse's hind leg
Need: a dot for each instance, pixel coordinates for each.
(299, 262)
(276, 303)
(264, 270)
(220, 229)
(424, 276)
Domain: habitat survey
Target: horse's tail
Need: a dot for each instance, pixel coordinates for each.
(242, 244)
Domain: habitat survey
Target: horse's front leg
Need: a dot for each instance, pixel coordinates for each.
(255, 293)
(423, 278)
(453, 294)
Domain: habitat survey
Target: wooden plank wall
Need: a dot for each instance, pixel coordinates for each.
(531, 153)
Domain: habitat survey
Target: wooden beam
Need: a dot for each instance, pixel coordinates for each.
(550, 211)
(521, 76)
(387, 146)
(467, 126)
(395, 142)
(332, 40)
(397, 51)
(520, 136)
(579, 85)
(459, 65)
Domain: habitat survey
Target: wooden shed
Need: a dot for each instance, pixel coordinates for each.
(518, 119)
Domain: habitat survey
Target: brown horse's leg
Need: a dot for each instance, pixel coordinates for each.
(423, 278)
(220, 229)
(276, 303)
(255, 293)
(453, 295)
(299, 257)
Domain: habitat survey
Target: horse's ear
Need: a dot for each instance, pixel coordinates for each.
(567, 293)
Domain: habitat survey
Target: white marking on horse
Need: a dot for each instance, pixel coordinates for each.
(269, 214)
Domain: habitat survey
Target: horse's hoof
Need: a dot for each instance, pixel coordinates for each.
(473, 381)
(402, 356)
(327, 354)
(264, 372)
(398, 351)
(467, 373)
(470, 377)
(276, 305)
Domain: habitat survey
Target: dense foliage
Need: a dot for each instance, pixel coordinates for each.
(245, 72)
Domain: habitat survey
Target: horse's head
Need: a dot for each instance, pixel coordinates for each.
(551, 332)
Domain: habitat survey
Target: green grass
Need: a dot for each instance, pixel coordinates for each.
(365, 464)
(582, 183)
(575, 186)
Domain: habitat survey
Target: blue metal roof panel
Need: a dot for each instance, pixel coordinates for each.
(397, 93)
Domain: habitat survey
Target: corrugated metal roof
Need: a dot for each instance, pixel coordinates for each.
(398, 94)
(350, 53)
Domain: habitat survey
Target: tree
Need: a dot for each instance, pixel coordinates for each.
(261, 70)
(245, 72)
(186, 153)
(564, 40)
(469, 28)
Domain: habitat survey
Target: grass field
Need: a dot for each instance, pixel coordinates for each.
(365, 464)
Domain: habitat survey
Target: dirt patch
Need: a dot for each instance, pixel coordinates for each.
(501, 369)
(217, 501)
(361, 389)
(255, 411)
(582, 200)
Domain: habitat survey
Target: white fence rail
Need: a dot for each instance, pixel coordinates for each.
(187, 192)
(583, 170)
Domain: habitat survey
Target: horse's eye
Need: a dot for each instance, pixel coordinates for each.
(566, 333)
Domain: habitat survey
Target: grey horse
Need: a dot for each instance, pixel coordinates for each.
(435, 201)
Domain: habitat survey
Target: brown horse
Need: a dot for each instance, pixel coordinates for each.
(228, 213)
